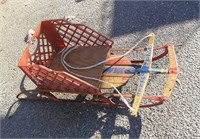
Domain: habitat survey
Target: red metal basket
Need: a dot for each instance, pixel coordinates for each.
(52, 36)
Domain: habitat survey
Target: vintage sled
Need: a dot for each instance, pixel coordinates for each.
(45, 69)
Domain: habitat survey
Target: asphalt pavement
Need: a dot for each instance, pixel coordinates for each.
(125, 22)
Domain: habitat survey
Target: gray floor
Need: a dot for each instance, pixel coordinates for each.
(125, 22)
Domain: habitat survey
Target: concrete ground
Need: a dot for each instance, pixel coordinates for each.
(125, 22)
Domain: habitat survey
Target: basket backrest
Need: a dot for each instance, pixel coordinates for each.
(53, 35)
(81, 35)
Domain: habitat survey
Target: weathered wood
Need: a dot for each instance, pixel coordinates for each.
(83, 57)
(116, 75)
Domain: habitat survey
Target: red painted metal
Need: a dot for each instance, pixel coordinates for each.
(125, 61)
(154, 58)
(52, 36)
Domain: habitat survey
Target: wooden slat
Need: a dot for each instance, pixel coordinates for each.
(115, 75)
(107, 86)
(118, 61)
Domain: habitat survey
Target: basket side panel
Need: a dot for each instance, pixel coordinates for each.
(44, 53)
(49, 43)
(28, 72)
(60, 81)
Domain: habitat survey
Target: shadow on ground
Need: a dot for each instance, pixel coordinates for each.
(46, 119)
(134, 16)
